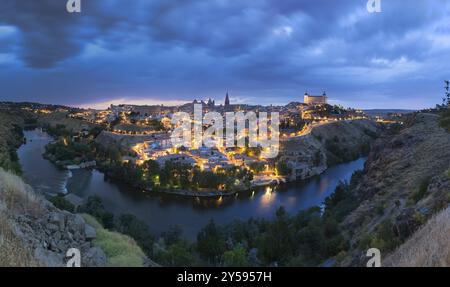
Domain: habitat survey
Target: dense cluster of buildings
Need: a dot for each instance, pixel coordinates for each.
(297, 119)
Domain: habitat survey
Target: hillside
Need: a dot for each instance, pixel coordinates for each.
(327, 145)
(405, 182)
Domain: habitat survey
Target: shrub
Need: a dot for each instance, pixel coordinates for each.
(60, 202)
(423, 187)
(445, 119)
(94, 206)
(211, 242)
(177, 255)
(130, 225)
(380, 209)
(385, 238)
(120, 250)
(236, 258)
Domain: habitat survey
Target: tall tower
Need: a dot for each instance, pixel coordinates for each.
(227, 100)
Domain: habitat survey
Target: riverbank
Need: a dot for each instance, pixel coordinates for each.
(215, 194)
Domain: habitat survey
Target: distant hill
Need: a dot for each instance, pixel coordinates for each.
(382, 112)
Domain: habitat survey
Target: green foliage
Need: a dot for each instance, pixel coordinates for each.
(11, 137)
(235, 258)
(211, 242)
(66, 150)
(94, 207)
(60, 202)
(57, 130)
(341, 202)
(276, 243)
(385, 238)
(380, 209)
(422, 190)
(173, 235)
(130, 225)
(283, 169)
(120, 250)
(444, 120)
(177, 255)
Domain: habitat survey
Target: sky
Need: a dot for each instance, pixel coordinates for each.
(260, 51)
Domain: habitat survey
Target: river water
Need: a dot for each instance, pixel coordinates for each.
(160, 211)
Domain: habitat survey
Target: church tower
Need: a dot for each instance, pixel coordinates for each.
(227, 100)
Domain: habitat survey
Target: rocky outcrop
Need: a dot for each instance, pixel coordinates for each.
(45, 231)
(327, 145)
(53, 234)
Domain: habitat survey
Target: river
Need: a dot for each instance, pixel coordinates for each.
(160, 211)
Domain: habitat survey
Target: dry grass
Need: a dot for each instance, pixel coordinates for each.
(17, 195)
(428, 247)
(12, 251)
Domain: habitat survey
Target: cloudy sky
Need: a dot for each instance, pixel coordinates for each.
(262, 51)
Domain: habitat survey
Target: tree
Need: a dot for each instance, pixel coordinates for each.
(152, 167)
(446, 99)
(173, 235)
(60, 202)
(276, 244)
(283, 168)
(177, 255)
(211, 243)
(94, 206)
(236, 258)
(130, 225)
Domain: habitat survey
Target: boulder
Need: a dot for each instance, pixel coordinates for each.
(90, 232)
(58, 219)
(94, 257)
(48, 258)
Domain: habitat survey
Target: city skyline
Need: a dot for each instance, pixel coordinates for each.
(262, 52)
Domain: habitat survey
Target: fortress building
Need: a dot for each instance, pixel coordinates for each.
(315, 100)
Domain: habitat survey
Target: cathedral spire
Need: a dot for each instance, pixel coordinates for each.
(227, 100)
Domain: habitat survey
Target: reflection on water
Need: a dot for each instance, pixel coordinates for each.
(160, 211)
(268, 197)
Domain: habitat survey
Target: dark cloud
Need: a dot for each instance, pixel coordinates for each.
(180, 49)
